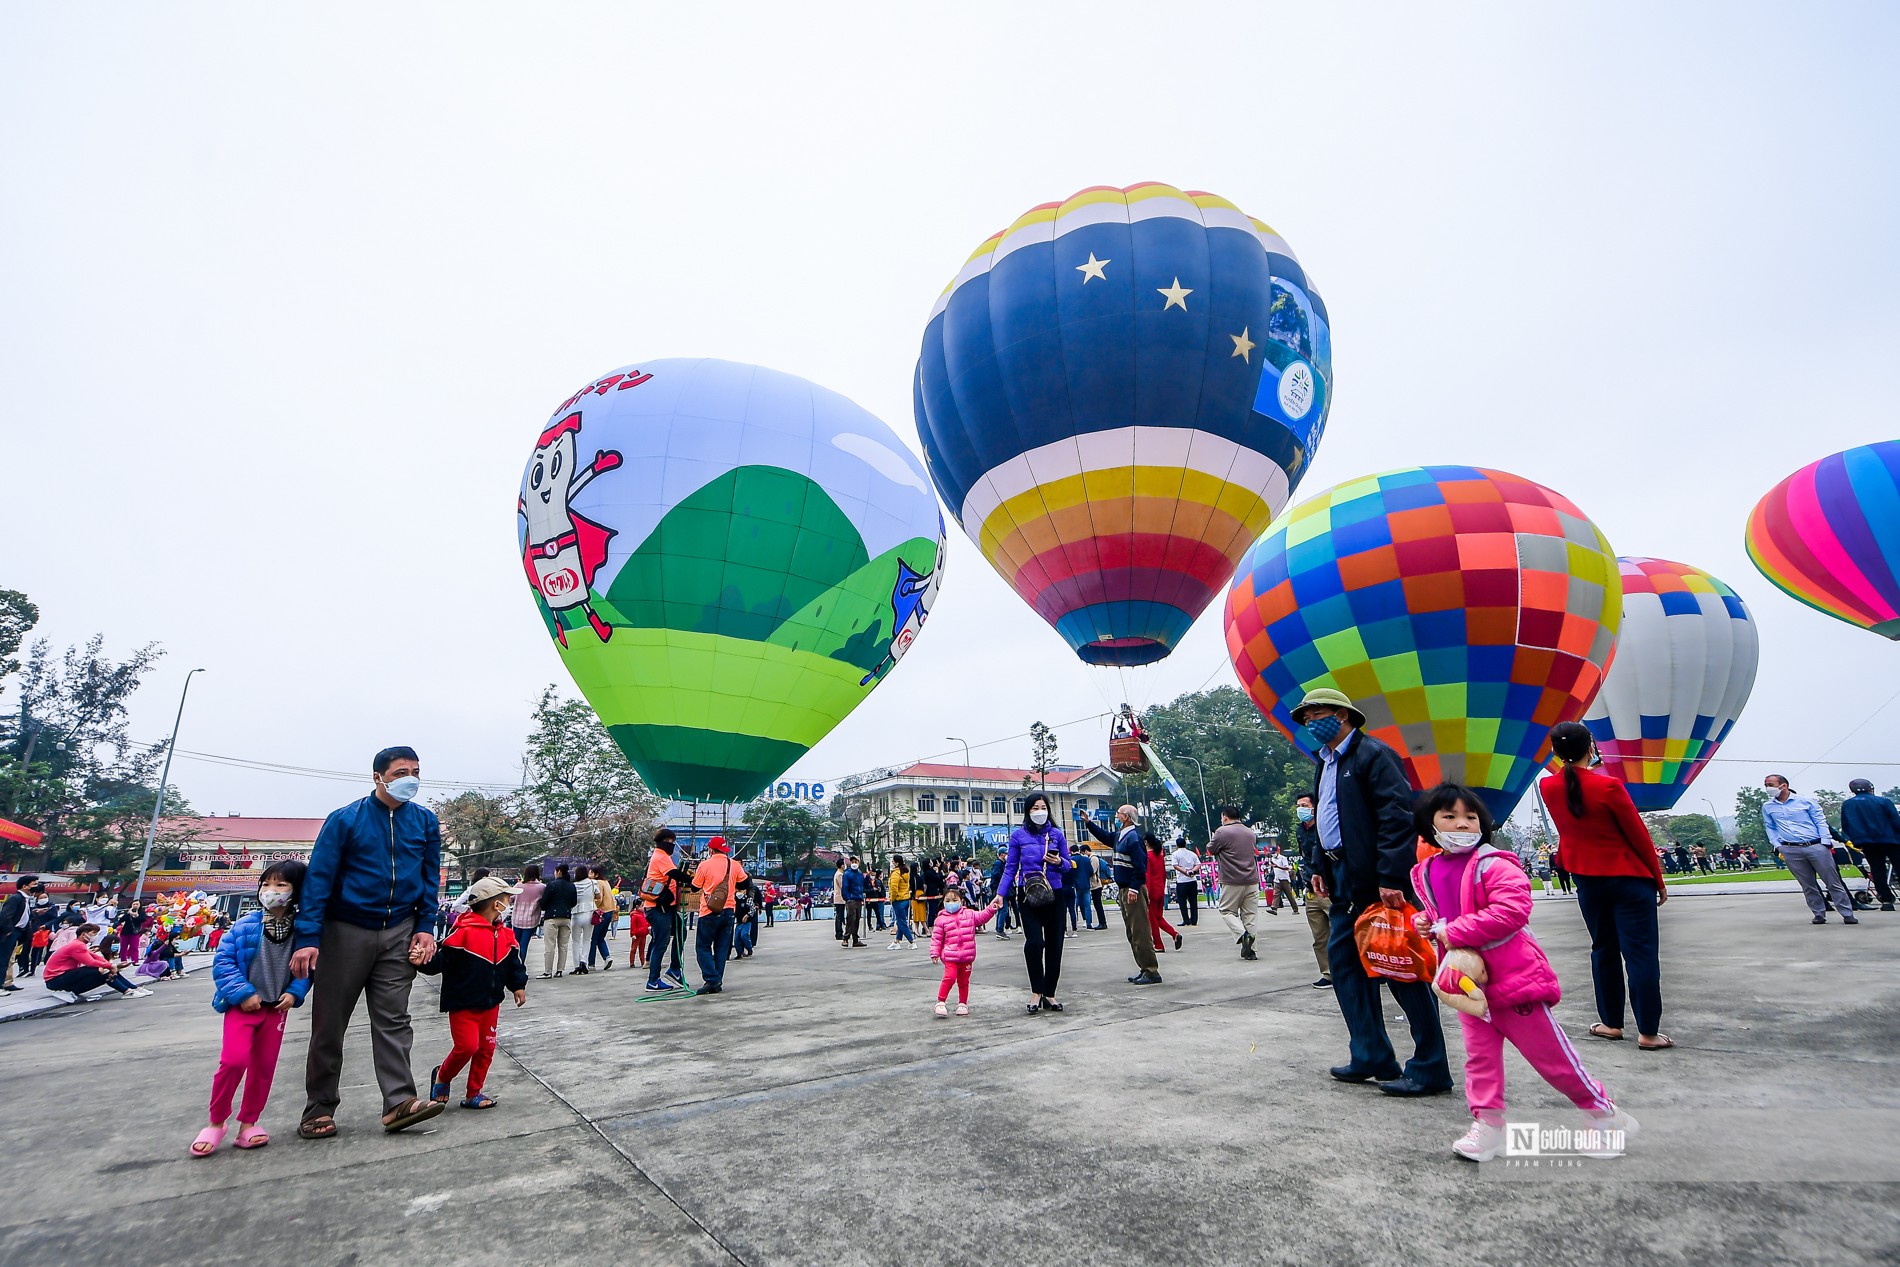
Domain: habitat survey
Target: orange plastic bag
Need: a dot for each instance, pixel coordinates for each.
(1390, 947)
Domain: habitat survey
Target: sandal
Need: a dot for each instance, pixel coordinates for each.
(322, 1126)
(208, 1140)
(439, 1091)
(479, 1101)
(1663, 1043)
(412, 1113)
(252, 1136)
(1600, 1030)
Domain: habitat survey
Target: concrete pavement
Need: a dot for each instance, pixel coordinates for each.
(817, 1113)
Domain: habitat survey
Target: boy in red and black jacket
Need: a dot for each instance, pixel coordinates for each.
(478, 962)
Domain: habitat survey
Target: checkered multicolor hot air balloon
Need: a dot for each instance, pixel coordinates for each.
(1465, 611)
(1115, 395)
(1829, 535)
(1685, 663)
(729, 559)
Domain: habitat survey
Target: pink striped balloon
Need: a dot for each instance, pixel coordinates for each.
(1829, 536)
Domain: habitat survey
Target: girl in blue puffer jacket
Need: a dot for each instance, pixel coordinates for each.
(255, 990)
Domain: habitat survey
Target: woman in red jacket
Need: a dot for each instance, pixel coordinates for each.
(1158, 883)
(1602, 843)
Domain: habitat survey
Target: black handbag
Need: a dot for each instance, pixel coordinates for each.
(1033, 887)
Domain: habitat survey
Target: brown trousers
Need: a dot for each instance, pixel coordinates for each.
(1141, 938)
(352, 962)
(1319, 919)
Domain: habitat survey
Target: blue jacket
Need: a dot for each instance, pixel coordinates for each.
(1129, 863)
(373, 867)
(853, 885)
(1867, 819)
(231, 966)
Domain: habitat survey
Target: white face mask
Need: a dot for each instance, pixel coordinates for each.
(273, 899)
(1459, 841)
(403, 789)
(1038, 816)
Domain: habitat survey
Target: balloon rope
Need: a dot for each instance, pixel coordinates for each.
(1850, 734)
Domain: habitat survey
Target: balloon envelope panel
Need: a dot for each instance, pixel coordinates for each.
(1829, 536)
(1115, 396)
(1465, 611)
(729, 558)
(1685, 663)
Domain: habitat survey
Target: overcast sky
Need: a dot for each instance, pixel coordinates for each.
(287, 291)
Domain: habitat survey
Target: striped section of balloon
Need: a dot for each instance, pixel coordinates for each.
(1685, 663)
(1829, 536)
(1115, 395)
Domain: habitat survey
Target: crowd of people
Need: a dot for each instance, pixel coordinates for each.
(354, 927)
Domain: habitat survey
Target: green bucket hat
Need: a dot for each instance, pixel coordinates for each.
(1327, 695)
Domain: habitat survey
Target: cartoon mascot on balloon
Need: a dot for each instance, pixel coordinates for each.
(564, 548)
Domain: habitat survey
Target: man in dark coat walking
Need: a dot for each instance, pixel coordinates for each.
(1363, 805)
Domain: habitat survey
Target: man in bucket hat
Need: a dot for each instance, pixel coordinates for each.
(1363, 805)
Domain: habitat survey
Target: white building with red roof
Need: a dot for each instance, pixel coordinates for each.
(953, 803)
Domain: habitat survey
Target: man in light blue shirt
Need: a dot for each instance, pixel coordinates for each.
(1800, 834)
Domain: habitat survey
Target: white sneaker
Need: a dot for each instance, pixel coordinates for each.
(942, 1010)
(1612, 1148)
(894, 945)
(963, 1009)
(139, 993)
(1481, 1143)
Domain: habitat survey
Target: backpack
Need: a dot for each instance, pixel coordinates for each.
(720, 893)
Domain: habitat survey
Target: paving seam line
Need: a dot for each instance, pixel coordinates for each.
(624, 1155)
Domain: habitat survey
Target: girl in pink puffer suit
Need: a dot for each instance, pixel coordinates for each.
(953, 944)
(1475, 896)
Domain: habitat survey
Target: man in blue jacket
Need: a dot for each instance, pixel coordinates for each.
(1872, 823)
(1368, 843)
(363, 923)
(851, 881)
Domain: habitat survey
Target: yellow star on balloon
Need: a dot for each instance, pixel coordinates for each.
(1243, 345)
(1093, 268)
(1177, 295)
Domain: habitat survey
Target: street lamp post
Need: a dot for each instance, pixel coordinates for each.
(969, 779)
(158, 806)
(1715, 818)
(1207, 820)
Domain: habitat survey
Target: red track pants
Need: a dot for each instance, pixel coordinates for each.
(473, 1034)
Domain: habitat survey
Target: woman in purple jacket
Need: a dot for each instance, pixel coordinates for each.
(1039, 845)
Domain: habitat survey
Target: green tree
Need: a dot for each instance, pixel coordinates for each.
(875, 826)
(789, 830)
(1750, 832)
(1693, 830)
(17, 617)
(1042, 753)
(1246, 762)
(479, 830)
(68, 767)
(580, 796)
(1830, 803)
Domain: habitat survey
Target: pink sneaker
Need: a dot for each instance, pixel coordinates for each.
(942, 1010)
(963, 1009)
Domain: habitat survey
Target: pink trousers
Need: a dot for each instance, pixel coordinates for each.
(1535, 1033)
(251, 1040)
(957, 974)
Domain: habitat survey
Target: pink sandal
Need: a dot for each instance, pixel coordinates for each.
(252, 1136)
(210, 1137)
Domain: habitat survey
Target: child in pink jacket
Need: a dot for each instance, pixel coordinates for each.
(1476, 897)
(953, 944)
